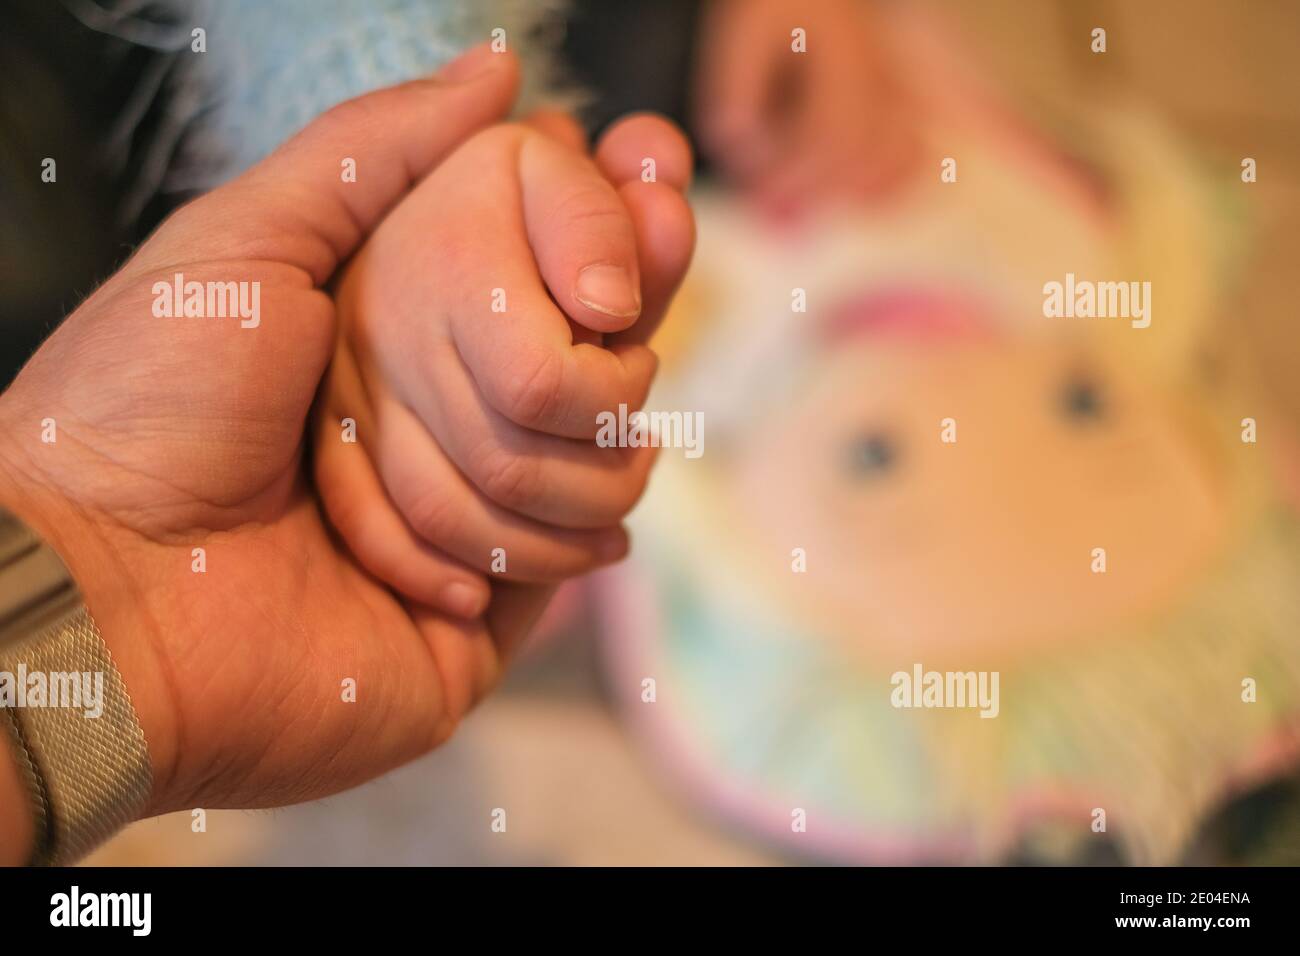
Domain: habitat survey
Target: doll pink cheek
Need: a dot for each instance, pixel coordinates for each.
(919, 316)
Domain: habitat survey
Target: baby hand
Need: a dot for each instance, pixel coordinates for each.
(483, 326)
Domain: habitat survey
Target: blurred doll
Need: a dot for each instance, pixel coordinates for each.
(923, 472)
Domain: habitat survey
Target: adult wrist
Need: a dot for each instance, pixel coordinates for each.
(83, 767)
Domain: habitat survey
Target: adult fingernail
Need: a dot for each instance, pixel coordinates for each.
(470, 65)
(608, 289)
(459, 598)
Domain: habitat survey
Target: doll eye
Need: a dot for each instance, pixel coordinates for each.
(1081, 401)
(872, 455)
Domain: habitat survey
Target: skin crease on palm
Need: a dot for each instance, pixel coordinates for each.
(175, 434)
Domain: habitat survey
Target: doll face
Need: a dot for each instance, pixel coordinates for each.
(988, 540)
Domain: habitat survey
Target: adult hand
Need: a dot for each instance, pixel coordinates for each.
(173, 434)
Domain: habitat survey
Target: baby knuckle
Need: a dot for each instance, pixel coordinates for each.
(592, 207)
(513, 481)
(433, 514)
(534, 398)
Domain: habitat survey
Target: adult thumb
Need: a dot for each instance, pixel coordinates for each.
(315, 199)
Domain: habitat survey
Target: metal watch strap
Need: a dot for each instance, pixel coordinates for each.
(87, 776)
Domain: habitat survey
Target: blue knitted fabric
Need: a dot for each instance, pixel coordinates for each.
(269, 67)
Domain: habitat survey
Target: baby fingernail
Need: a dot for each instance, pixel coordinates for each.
(460, 598)
(608, 289)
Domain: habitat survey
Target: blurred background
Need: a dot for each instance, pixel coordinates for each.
(771, 691)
